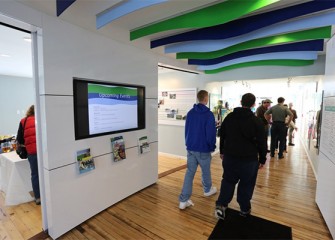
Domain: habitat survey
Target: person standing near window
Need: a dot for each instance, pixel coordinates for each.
(278, 130)
(260, 114)
(291, 128)
(29, 140)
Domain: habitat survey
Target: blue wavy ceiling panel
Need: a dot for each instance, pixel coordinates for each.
(303, 55)
(62, 5)
(118, 11)
(246, 25)
(322, 20)
(314, 45)
(207, 16)
(219, 37)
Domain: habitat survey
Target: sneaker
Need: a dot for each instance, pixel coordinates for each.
(211, 192)
(31, 193)
(291, 144)
(38, 201)
(220, 212)
(183, 205)
(245, 214)
(281, 157)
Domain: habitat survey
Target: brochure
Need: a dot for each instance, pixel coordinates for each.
(85, 161)
(118, 148)
(143, 145)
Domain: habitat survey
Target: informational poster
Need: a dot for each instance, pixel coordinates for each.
(111, 108)
(328, 128)
(173, 105)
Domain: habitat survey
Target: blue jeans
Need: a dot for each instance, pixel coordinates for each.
(193, 160)
(34, 174)
(244, 172)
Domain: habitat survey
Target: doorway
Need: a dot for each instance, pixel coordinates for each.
(21, 216)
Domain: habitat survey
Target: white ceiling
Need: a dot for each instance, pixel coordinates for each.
(18, 58)
(83, 13)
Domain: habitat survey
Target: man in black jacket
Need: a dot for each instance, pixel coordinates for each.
(243, 152)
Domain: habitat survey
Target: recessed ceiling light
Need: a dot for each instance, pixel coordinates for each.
(27, 39)
(4, 55)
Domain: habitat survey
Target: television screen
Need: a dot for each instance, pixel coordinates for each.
(102, 108)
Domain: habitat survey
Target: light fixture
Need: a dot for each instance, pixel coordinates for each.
(4, 55)
(27, 39)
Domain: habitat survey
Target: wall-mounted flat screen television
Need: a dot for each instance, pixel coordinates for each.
(102, 108)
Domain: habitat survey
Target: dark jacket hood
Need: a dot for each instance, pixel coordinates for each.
(241, 112)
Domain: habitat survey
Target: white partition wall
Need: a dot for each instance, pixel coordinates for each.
(325, 190)
(69, 51)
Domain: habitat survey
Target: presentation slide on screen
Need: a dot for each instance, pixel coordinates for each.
(111, 108)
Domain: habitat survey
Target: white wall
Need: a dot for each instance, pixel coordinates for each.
(171, 138)
(325, 190)
(69, 51)
(16, 96)
(86, 55)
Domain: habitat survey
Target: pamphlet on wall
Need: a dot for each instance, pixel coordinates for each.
(118, 148)
(143, 145)
(85, 161)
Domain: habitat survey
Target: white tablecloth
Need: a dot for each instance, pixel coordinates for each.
(15, 178)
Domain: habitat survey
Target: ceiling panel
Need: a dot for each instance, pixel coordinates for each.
(83, 13)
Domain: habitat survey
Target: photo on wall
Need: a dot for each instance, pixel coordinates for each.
(85, 161)
(118, 148)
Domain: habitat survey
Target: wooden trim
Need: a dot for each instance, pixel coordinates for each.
(39, 236)
(163, 174)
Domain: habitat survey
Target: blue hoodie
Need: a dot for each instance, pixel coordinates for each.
(200, 131)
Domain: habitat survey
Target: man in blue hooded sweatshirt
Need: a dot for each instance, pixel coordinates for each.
(200, 138)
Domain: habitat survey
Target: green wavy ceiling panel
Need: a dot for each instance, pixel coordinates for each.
(206, 17)
(285, 62)
(317, 33)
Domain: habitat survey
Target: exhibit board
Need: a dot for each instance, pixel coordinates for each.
(325, 188)
(328, 129)
(174, 104)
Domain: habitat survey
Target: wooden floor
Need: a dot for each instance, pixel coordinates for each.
(168, 165)
(285, 193)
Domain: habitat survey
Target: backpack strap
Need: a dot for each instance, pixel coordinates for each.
(22, 132)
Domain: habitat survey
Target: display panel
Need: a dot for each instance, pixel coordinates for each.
(102, 108)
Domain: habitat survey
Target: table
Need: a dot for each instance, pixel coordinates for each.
(15, 179)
